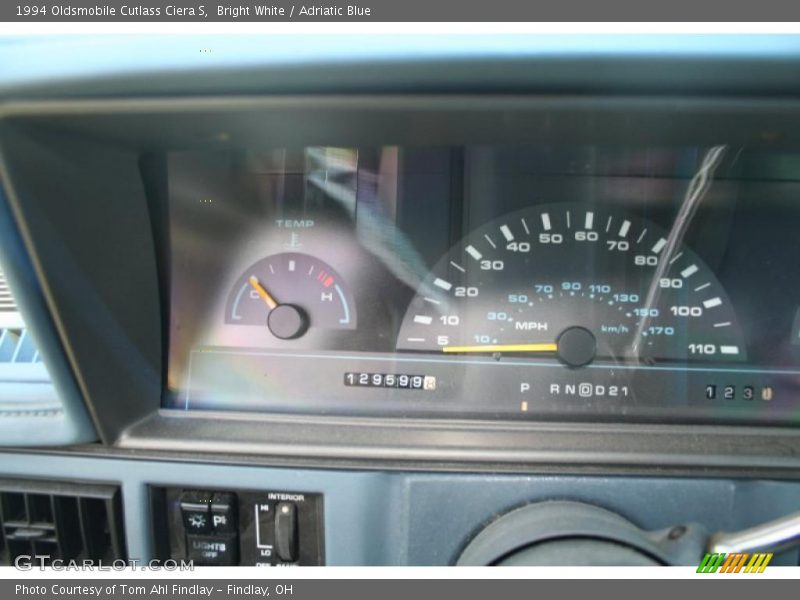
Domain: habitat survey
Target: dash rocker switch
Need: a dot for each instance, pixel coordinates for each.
(211, 528)
(286, 531)
(223, 513)
(195, 512)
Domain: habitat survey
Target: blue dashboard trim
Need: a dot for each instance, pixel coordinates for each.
(125, 62)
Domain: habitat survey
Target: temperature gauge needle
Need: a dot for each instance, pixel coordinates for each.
(545, 347)
(285, 321)
(256, 284)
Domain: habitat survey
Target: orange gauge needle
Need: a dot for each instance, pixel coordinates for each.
(253, 281)
(547, 347)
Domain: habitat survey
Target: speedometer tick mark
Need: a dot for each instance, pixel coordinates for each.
(525, 226)
(568, 221)
(702, 287)
(589, 221)
(723, 324)
(507, 233)
(473, 252)
(689, 271)
(488, 239)
(623, 231)
(675, 258)
(546, 221)
(441, 283)
(659, 245)
(608, 225)
(712, 302)
(459, 267)
(641, 237)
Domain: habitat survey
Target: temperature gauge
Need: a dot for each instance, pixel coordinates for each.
(290, 293)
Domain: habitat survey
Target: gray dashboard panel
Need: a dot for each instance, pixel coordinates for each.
(375, 518)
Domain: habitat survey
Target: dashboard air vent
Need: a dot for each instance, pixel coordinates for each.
(7, 303)
(16, 344)
(66, 521)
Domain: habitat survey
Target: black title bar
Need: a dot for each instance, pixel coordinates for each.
(49, 11)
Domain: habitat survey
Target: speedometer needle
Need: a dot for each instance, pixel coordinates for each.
(256, 284)
(544, 347)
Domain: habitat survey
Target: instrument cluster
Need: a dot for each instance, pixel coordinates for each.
(491, 282)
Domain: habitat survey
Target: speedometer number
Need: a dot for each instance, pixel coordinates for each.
(616, 284)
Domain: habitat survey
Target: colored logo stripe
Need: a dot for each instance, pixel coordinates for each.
(758, 563)
(734, 563)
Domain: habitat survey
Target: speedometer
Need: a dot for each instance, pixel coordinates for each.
(577, 284)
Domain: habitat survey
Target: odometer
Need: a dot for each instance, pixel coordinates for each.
(577, 283)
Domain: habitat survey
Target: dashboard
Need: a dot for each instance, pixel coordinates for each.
(405, 301)
(502, 282)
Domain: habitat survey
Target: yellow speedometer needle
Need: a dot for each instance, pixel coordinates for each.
(546, 347)
(256, 284)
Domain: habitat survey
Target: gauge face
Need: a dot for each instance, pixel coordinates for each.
(290, 293)
(574, 283)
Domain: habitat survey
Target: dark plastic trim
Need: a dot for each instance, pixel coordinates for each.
(71, 423)
(127, 409)
(519, 446)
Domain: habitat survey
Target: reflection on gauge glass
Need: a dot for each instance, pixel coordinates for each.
(573, 282)
(289, 294)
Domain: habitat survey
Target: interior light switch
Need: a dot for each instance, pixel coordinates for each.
(286, 531)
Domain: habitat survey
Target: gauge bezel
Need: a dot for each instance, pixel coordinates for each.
(126, 406)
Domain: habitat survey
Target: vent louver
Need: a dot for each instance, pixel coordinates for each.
(7, 303)
(16, 346)
(16, 343)
(65, 521)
